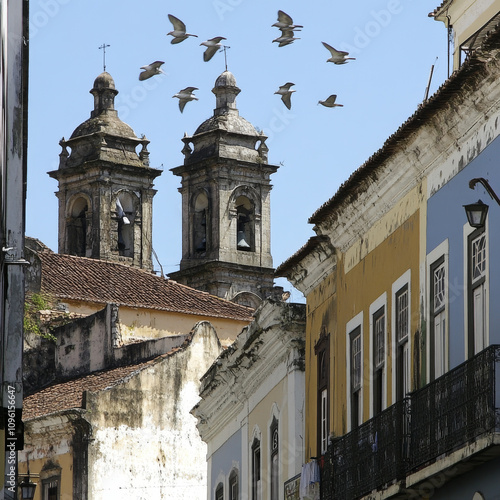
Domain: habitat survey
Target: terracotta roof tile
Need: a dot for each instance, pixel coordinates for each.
(81, 278)
(68, 395)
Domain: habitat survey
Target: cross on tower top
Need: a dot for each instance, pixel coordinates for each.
(103, 47)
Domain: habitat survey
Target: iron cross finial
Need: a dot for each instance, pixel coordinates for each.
(103, 47)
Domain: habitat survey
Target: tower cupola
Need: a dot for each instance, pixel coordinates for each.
(225, 91)
(106, 186)
(226, 240)
(104, 93)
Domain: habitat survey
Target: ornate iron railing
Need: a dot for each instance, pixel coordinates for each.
(368, 456)
(456, 408)
(439, 418)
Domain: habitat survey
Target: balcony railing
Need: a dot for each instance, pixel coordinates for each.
(366, 457)
(443, 416)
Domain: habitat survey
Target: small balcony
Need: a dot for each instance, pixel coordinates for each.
(406, 442)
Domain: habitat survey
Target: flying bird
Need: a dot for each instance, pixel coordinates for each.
(213, 45)
(286, 22)
(330, 102)
(179, 32)
(286, 38)
(337, 56)
(184, 96)
(151, 70)
(286, 94)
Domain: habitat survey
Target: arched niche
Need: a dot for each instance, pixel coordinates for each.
(200, 222)
(125, 206)
(77, 225)
(248, 299)
(245, 207)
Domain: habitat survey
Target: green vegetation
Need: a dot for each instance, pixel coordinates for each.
(33, 304)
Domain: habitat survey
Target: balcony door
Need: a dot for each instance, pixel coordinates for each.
(477, 337)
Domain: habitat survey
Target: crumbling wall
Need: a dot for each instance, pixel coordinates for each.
(145, 437)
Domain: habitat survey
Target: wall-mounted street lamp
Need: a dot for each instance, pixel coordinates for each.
(27, 488)
(476, 212)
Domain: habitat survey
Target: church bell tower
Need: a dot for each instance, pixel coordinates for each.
(105, 187)
(225, 187)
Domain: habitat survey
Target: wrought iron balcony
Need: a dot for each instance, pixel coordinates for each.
(436, 420)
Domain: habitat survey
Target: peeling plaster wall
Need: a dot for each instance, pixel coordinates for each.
(84, 345)
(56, 447)
(144, 435)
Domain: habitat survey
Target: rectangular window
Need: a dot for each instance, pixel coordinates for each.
(378, 359)
(324, 421)
(477, 292)
(438, 324)
(256, 470)
(50, 489)
(322, 350)
(355, 352)
(402, 349)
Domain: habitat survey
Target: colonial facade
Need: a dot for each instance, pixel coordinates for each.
(251, 413)
(226, 225)
(401, 348)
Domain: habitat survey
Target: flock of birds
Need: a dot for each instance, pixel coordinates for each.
(284, 24)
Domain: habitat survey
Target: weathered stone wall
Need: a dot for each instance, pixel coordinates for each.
(145, 437)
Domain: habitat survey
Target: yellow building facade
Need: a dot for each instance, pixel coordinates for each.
(363, 326)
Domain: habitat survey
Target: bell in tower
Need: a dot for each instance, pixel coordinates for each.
(225, 187)
(105, 186)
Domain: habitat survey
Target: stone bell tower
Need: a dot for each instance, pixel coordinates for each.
(225, 187)
(105, 187)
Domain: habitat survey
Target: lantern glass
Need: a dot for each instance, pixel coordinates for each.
(476, 213)
(27, 489)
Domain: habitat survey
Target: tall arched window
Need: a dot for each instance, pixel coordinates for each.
(233, 485)
(77, 227)
(219, 492)
(274, 460)
(200, 216)
(256, 465)
(245, 217)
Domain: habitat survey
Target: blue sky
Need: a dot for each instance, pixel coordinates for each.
(394, 42)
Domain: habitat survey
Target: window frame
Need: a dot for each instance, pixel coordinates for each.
(47, 484)
(352, 326)
(322, 351)
(219, 491)
(274, 459)
(473, 284)
(233, 485)
(433, 258)
(256, 472)
(402, 341)
(378, 364)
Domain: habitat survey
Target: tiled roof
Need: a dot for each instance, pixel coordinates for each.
(68, 395)
(80, 278)
(313, 243)
(438, 9)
